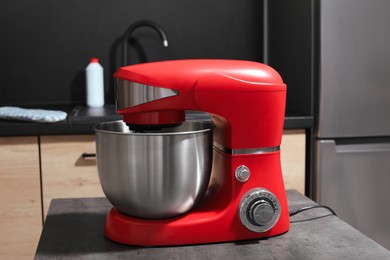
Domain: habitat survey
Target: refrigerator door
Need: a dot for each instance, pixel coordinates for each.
(354, 68)
(354, 180)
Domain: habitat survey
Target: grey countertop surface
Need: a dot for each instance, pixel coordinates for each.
(74, 230)
(81, 120)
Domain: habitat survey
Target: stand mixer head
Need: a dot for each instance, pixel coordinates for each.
(245, 197)
(247, 97)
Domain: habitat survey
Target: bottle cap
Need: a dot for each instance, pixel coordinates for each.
(94, 60)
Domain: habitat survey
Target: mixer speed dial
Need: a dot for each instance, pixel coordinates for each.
(259, 210)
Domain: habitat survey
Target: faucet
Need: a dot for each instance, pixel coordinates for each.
(136, 25)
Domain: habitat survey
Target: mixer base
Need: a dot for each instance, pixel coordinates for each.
(188, 229)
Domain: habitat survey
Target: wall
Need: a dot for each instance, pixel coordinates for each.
(290, 51)
(46, 44)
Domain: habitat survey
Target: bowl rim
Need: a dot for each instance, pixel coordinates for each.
(208, 126)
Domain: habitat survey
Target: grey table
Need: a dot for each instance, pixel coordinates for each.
(74, 230)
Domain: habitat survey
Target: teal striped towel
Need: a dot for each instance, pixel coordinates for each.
(35, 115)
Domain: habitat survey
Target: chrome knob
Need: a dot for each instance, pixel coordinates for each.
(242, 173)
(259, 210)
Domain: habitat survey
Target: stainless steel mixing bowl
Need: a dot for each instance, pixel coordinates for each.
(154, 175)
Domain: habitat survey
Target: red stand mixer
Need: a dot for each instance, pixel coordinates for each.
(244, 195)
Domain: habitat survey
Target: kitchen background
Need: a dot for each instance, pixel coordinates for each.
(46, 46)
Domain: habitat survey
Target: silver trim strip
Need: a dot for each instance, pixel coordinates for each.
(246, 151)
(130, 94)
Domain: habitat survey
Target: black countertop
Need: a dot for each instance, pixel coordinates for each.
(81, 120)
(74, 230)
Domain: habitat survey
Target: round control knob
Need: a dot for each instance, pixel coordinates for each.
(242, 173)
(259, 210)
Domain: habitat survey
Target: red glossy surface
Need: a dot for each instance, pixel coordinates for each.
(247, 98)
(216, 218)
(247, 103)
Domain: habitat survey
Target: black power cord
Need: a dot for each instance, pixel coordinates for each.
(296, 211)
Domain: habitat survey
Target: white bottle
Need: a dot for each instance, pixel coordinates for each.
(95, 84)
